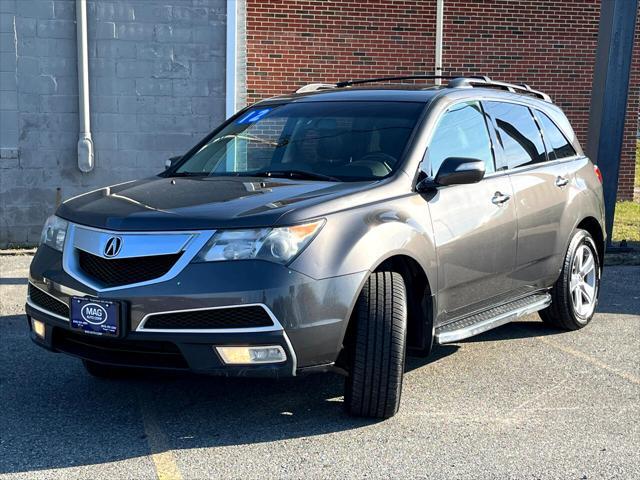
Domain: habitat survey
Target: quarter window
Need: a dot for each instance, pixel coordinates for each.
(517, 133)
(557, 144)
(461, 132)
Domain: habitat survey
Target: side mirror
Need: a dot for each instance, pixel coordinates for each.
(170, 162)
(454, 171)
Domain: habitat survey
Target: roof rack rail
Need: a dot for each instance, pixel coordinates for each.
(455, 81)
(314, 87)
(348, 83)
(487, 82)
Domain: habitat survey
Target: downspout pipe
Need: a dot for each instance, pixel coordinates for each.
(232, 56)
(439, 33)
(85, 143)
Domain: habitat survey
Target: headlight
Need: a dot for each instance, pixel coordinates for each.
(279, 245)
(54, 232)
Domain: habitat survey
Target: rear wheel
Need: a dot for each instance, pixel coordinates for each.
(377, 355)
(575, 294)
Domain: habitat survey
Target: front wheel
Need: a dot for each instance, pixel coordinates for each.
(575, 293)
(376, 359)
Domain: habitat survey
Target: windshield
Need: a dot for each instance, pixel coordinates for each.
(345, 141)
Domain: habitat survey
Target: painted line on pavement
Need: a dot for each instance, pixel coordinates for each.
(161, 454)
(592, 360)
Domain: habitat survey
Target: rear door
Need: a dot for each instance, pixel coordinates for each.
(474, 225)
(541, 189)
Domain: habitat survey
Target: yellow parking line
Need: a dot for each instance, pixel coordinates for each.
(161, 454)
(592, 360)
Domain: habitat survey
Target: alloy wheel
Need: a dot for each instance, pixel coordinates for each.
(584, 283)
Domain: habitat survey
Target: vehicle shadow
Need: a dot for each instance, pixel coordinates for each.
(515, 330)
(54, 415)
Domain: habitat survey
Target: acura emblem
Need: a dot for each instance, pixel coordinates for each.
(113, 247)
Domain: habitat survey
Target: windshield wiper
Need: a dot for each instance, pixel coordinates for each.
(189, 174)
(302, 174)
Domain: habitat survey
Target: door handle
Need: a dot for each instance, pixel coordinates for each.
(500, 199)
(561, 181)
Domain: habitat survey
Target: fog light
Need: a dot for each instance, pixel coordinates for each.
(38, 327)
(252, 355)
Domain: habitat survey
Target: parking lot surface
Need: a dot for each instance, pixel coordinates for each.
(522, 401)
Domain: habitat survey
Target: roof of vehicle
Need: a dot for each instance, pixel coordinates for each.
(373, 90)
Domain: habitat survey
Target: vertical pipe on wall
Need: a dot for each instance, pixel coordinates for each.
(439, 28)
(85, 143)
(232, 55)
(231, 81)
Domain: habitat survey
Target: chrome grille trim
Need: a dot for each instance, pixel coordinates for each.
(276, 327)
(135, 244)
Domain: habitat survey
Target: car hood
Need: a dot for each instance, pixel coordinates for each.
(200, 203)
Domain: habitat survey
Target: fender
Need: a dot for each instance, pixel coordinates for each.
(354, 241)
(586, 200)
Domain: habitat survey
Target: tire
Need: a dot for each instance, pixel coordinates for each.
(568, 309)
(100, 370)
(376, 359)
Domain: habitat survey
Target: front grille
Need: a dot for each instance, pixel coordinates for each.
(112, 272)
(235, 317)
(47, 302)
(119, 352)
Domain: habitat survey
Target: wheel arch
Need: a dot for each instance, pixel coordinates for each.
(591, 225)
(420, 300)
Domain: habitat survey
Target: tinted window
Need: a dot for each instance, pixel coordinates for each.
(517, 133)
(346, 140)
(461, 132)
(557, 144)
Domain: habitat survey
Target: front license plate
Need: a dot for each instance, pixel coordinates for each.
(97, 317)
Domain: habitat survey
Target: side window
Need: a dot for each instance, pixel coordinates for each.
(461, 132)
(517, 133)
(557, 144)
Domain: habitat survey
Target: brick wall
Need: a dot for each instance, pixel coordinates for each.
(550, 45)
(156, 83)
(290, 43)
(632, 125)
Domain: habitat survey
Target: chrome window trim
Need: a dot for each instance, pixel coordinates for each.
(43, 310)
(190, 249)
(276, 327)
(533, 166)
(440, 115)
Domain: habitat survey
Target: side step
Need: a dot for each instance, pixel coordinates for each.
(494, 317)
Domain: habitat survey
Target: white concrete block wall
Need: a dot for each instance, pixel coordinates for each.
(157, 71)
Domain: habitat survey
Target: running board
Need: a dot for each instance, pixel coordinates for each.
(494, 317)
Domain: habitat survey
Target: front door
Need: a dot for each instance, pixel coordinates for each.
(474, 225)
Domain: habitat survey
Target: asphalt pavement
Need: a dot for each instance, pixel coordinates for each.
(522, 401)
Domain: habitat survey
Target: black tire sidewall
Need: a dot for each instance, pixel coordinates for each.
(381, 378)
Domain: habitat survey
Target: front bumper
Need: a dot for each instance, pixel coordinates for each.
(310, 316)
(194, 352)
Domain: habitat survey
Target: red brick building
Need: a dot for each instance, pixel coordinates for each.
(549, 44)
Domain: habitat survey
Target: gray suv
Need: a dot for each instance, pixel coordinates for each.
(334, 229)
